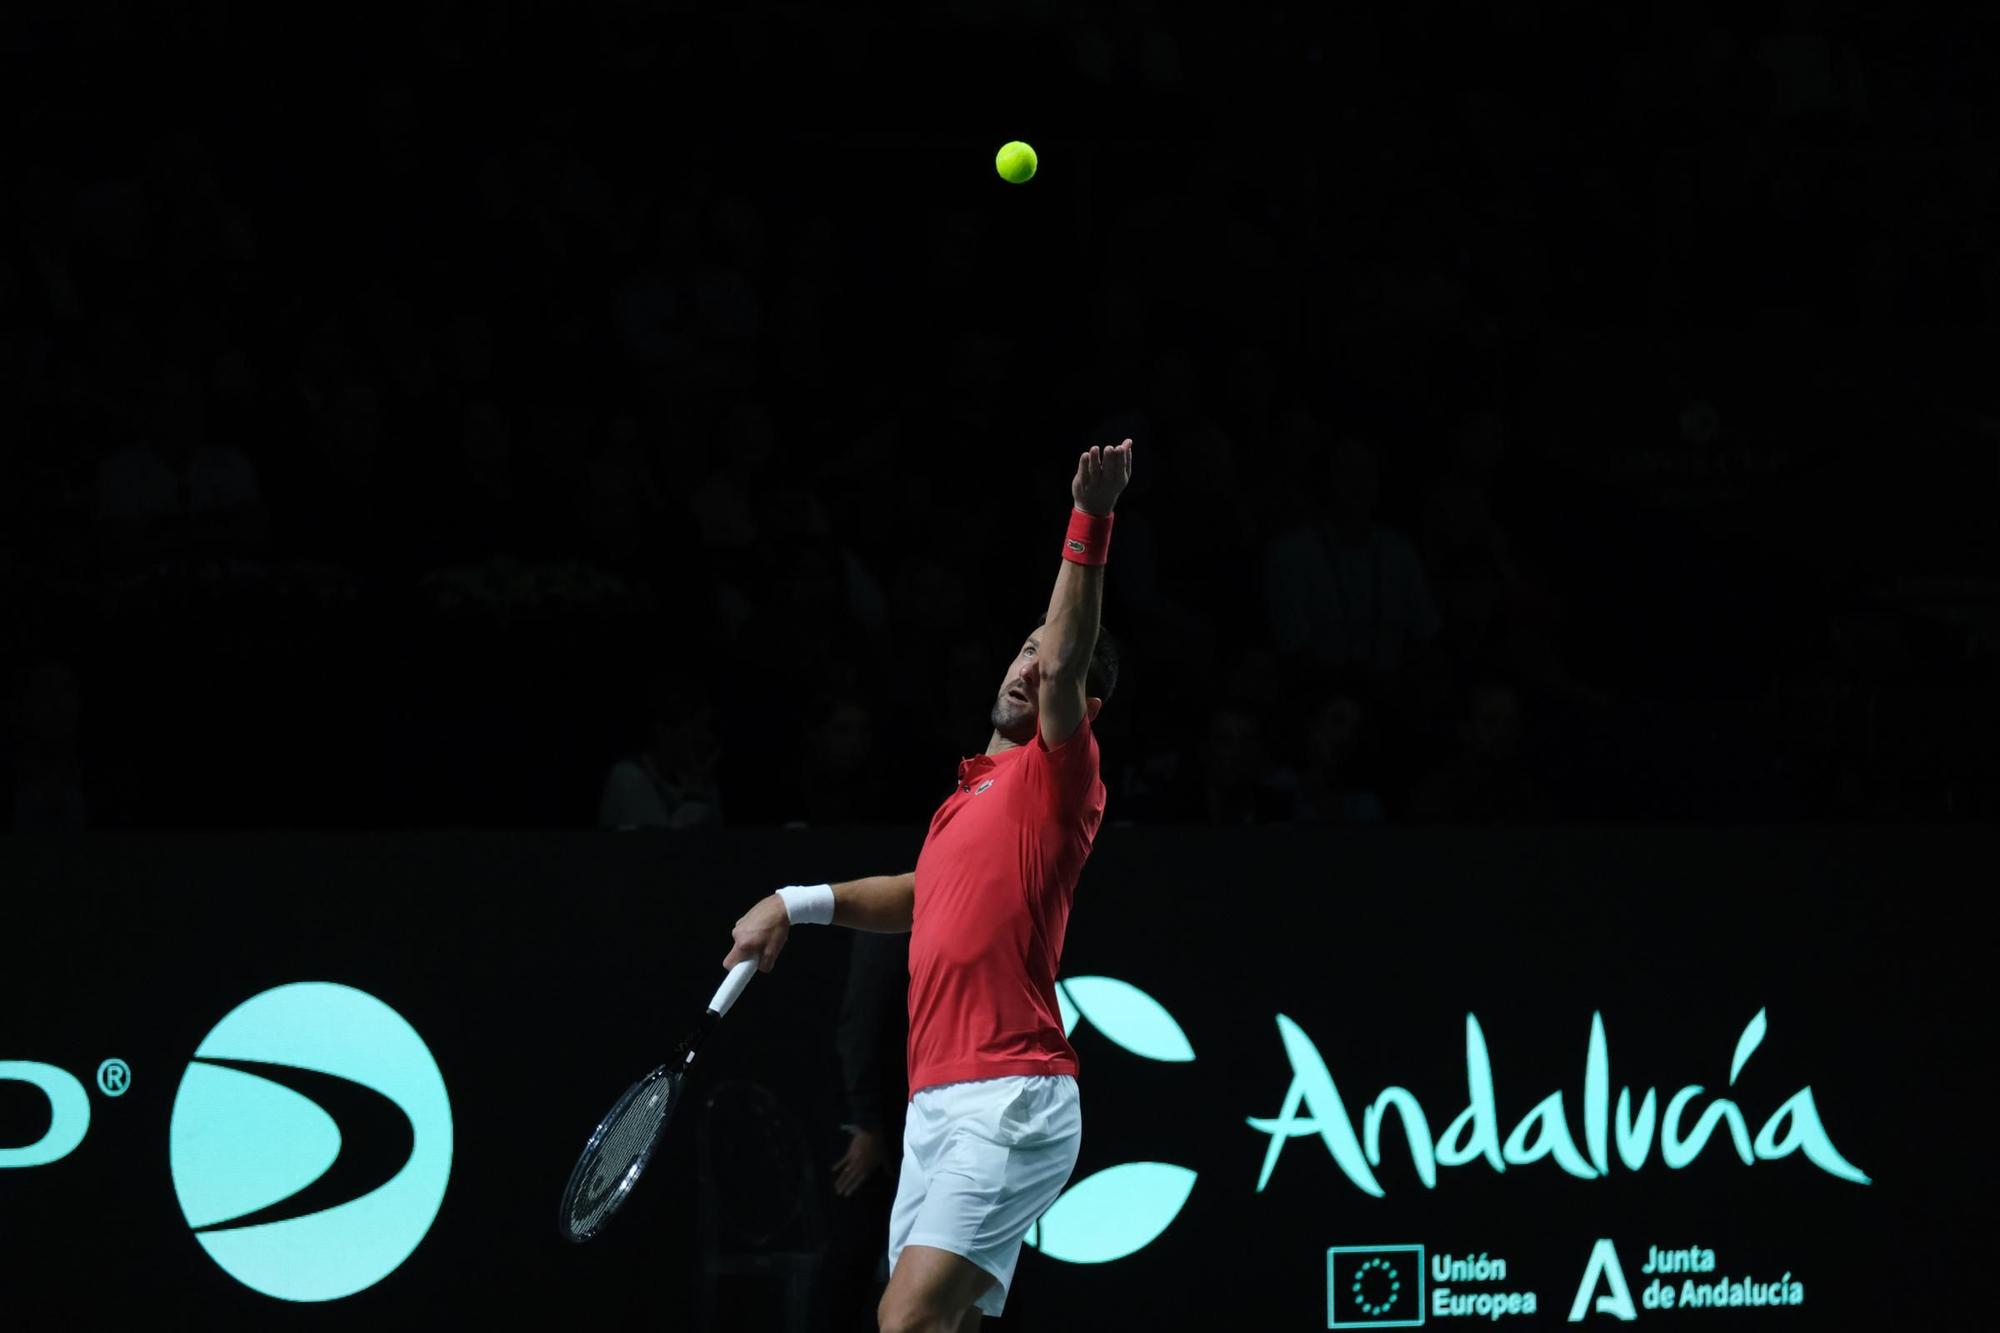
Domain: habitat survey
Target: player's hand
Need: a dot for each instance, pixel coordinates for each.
(866, 1154)
(760, 933)
(1101, 477)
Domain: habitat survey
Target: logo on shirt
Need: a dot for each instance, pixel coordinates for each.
(982, 786)
(1122, 1209)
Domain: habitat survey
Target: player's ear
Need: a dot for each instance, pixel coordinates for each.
(1091, 706)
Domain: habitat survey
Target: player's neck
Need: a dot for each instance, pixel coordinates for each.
(1000, 743)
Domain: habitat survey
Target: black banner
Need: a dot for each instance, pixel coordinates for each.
(1684, 1079)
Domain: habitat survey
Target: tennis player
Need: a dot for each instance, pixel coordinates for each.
(994, 1119)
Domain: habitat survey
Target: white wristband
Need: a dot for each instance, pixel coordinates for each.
(808, 904)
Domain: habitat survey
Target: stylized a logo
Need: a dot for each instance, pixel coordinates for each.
(1603, 1266)
(311, 1141)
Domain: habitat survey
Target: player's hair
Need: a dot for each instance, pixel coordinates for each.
(1102, 677)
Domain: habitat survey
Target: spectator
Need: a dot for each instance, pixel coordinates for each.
(619, 501)
(1346, 592)
(1240, 786)
(1487, 782)
(723, 505)
(1233, 783)
(837, 778)
(672, 782)
(1333, 786)
(1458, 512)
(872, 1030)
(486, 499)
(174, 483)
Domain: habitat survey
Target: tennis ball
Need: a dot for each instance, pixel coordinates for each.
(1015, 162)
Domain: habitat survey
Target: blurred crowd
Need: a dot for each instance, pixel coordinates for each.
(511, 428)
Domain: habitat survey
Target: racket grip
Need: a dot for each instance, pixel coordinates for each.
(732, 986)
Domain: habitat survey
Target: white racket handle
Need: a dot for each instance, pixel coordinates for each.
(732, 986)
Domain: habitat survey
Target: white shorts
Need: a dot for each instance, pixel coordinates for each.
(982, 1161)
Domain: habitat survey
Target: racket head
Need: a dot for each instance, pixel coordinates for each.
(618, 1151)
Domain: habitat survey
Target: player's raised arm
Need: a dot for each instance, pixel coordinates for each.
(1070, 634)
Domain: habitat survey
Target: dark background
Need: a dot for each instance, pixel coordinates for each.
(402, 420)
(650, 414)
(1378, 944)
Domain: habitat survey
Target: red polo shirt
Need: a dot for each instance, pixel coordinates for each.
(994, 884)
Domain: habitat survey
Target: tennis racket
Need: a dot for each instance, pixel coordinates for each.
(624, 1140)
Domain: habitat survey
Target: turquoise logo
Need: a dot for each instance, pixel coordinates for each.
(1121, 1209)
(1313, 1106)
(69, 1112)
(311, 1141)
(1375, 1286)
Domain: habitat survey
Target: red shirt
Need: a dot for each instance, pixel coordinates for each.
(994, 884)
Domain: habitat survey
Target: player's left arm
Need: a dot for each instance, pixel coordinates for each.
(1069, 636)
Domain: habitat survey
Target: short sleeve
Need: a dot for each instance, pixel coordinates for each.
(1063, 778)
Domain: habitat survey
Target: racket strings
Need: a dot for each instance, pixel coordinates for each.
(624, 1141)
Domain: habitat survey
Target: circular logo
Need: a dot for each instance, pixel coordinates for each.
(310, 1141)
(1377, 1284)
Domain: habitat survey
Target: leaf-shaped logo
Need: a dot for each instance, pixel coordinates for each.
(1122, 1209)
(1130, 1017)
(1119, 1211)
(1752, 1036)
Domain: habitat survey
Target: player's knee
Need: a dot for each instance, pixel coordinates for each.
(898, 1314)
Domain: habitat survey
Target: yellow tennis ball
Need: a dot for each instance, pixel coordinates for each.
(1015, 162)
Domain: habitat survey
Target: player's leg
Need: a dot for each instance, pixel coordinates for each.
(931, 1291)
(970, 1324)
(1001, 1151)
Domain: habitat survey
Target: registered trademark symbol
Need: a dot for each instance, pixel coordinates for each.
(114, 1077)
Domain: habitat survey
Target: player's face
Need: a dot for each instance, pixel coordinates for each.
(1014, 711)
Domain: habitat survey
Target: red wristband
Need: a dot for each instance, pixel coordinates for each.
(1089, 539)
